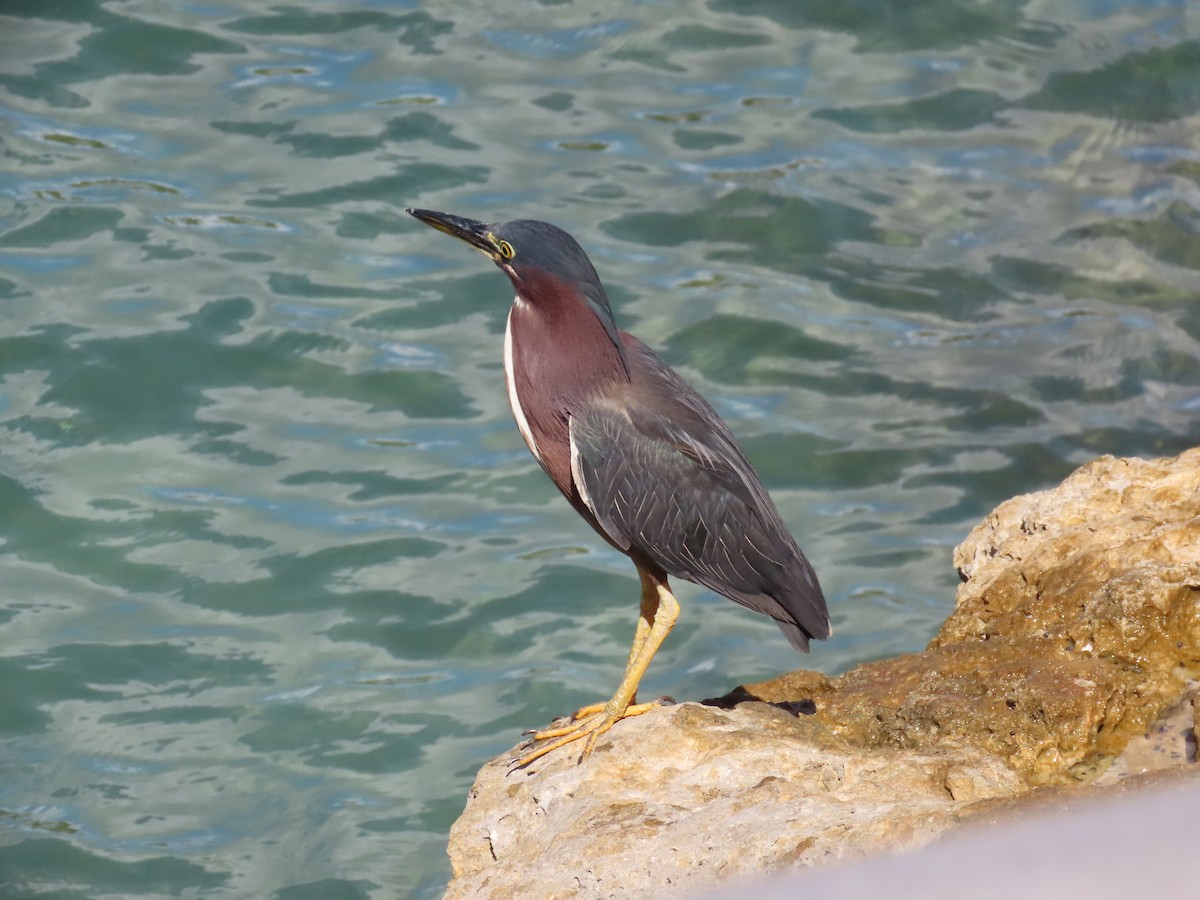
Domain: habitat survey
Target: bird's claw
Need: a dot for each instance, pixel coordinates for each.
(587, 722)
(550, 739)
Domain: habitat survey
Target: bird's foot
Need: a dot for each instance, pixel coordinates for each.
(587, 722)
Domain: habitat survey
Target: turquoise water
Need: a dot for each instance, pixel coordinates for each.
(277, 574)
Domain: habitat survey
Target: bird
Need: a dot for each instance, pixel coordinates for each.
(639, 454)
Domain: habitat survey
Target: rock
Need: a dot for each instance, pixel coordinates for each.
(654, 808)
(1064, 845)
(1026, 701)
(1069, 658)
(1107, 568)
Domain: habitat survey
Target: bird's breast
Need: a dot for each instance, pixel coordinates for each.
(557, 359)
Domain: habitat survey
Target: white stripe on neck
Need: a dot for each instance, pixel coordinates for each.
(510, 380)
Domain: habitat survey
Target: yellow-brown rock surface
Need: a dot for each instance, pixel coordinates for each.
(1106, 567)
(1071, 656)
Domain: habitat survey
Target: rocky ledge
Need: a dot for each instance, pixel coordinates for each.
(1069, 663)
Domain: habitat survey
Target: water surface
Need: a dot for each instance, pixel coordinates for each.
(277, 574)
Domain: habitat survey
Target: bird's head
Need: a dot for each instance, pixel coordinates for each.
(545, 264)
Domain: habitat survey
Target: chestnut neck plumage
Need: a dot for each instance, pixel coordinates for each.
(559, 354)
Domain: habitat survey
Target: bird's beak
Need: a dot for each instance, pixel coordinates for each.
(477, 234)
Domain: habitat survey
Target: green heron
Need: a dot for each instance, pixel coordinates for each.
(638, 453)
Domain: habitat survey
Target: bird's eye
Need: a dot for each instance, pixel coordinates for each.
(506, 250)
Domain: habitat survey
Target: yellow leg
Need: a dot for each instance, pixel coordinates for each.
(660, 609)
(645, 620)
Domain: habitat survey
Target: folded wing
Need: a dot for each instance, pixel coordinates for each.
(678, 489)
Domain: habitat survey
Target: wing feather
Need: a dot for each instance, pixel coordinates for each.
(676, 488)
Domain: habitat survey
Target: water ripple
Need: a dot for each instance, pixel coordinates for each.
(277, 569)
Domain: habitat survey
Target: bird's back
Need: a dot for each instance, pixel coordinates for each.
(666, 481)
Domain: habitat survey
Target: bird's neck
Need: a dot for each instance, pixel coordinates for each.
(557, 358)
